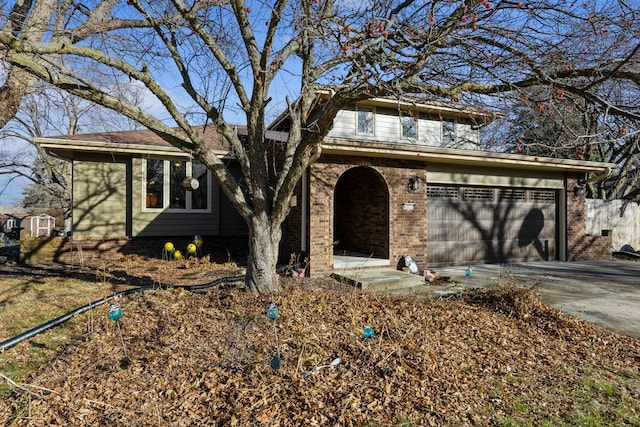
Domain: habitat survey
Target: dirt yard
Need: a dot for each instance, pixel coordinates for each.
(489, 357)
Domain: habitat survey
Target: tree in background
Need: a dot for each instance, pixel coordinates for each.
(48, 111)
(570, 127)
(212, 62)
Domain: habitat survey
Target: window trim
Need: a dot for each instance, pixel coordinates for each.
(371, 110)
(166, 184)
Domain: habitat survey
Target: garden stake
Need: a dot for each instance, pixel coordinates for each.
(467, 273)
(273, 313)
(115, 313)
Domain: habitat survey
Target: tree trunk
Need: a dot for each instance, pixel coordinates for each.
(262, 277)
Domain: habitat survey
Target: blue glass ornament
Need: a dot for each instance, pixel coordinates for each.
(276, 363)
(468, 271)
(368, 331)
(115, 313)
(272, 311)
(125, 362)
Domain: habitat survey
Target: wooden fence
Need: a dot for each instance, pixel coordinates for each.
(619, 218)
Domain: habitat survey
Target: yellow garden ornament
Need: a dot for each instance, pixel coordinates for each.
(168, 251)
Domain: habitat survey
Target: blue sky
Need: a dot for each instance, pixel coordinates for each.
(12, 195)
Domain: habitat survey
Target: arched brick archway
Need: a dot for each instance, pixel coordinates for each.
(361, 213)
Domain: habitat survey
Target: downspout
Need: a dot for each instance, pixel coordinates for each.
(597, 178)
(305, 194)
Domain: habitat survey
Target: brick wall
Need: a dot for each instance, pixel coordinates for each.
(377, 180)
(580, 245)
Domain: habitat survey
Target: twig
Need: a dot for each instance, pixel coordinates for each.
(26, 387)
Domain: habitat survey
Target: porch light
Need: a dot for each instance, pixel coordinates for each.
(580, 190)
(415, 183)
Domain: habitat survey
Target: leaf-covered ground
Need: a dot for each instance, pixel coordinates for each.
(490, 357)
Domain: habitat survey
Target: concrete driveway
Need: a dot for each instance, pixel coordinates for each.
(602, 292)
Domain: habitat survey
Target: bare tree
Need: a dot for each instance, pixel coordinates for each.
(571, 127)
(467, 51)
(48, 111)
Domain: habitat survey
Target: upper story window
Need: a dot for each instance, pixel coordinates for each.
(448, 131)
(365, 120)
(168, 188)
(409, 126)
(11, 223)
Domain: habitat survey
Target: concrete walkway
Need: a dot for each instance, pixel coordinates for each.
(605, 293)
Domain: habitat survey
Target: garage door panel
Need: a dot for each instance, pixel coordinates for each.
(467, 225)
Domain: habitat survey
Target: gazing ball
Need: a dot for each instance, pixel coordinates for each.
(191, 248)
(168, 246)
(272, 311)
(177, 255)
(115, 313)
(368, 331)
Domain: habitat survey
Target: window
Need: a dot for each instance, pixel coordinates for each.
(165, 185)
(409, 126)
(11, 224)
(365, 122)
(448, 132)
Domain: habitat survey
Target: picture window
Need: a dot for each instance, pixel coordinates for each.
(165, 185)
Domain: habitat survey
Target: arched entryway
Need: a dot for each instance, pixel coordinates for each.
(361, 214)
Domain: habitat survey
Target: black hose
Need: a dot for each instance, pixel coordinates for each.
(63, 318)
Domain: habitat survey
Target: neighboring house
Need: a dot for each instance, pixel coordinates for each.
(38, 225)
(390, 178)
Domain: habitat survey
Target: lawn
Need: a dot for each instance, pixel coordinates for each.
(491, 357)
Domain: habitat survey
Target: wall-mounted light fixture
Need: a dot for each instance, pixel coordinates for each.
(415, 183)
(580, 190)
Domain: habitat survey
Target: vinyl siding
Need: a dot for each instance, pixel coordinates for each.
(495, 177)
(388, 129)
(99, 198)
(231, 223)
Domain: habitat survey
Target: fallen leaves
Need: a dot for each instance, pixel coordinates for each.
(204, 359)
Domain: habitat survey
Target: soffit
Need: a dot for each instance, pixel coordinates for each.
(471, 158)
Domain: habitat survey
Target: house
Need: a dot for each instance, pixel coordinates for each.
(390, 178)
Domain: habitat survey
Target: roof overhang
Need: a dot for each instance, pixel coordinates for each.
(463, 157)
(68, 149)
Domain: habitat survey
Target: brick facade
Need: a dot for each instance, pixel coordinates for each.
(580, 245)
(375, 192)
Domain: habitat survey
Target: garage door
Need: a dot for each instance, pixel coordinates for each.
(469, 225)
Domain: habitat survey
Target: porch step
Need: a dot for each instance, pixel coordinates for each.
(379, 279)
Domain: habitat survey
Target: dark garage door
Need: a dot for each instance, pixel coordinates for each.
(469, 225)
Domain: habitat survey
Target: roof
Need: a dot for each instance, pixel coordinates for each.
(136, 142)
(129, 142)
(145, 142)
